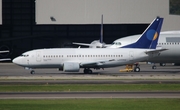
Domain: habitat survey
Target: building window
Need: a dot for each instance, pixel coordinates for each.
(174, 7)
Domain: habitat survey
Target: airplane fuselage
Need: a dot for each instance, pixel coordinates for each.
(85, 58)
(169, 40)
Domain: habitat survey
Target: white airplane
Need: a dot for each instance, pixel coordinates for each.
(72, 59)
(168, 39)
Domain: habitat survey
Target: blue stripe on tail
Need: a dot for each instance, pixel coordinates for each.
(150, 36)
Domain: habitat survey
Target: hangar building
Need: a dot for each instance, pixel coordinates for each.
(33, 24)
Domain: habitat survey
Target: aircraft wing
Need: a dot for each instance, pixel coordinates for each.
(155, 51)
(5, 59)
(106, 45)
(95, 63)
(4, 51)
(84, 44)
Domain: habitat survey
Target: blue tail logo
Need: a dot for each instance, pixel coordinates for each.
(149, 38)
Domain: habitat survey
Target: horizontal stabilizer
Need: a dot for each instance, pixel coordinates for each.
(84, 44)
(5, 51)
(7, 59)
(155, 51)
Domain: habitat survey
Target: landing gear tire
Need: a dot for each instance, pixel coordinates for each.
(87, 71)
(162, 64)
(90, 71)
(154, 67)
(136, 69)
(32, 72)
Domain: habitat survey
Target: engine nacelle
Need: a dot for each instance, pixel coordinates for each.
(71, 67)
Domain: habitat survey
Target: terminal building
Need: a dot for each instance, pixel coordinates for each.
(34, 24)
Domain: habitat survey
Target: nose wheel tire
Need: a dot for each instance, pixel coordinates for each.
(32, 72)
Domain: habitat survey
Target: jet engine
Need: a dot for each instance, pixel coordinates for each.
(97, 44)
(71, 67)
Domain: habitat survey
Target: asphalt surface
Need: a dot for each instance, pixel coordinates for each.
(64, 95)
(11, 71)
(89, 81)
(13, 74)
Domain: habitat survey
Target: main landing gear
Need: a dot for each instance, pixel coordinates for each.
(161, 64)
(137, 67)
(32, 72)
(154, 66)
(87, 71)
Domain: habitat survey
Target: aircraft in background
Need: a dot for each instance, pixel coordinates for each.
(127, 41)
(96, 43)
(168, 39)
(72, 59)
(5, 59)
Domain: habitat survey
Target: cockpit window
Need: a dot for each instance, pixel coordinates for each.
(116, 43)
(24, 55)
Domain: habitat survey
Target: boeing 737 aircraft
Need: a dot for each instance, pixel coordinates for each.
(169, 40)
(72, 59)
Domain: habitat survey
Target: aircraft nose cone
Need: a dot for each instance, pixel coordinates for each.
(16, 60)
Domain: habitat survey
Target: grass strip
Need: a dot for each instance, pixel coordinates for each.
(91, 104)
(89, 87)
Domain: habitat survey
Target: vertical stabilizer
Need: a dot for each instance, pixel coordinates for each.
(149, 38)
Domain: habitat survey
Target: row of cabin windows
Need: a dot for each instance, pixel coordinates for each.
(53, 56)
(60, 56)
(175, 43)
(94, 55)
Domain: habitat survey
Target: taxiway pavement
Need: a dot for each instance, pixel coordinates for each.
(13, 74)
(12, 71)
(65, 95)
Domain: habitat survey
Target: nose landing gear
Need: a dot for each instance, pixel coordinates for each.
(32, 72)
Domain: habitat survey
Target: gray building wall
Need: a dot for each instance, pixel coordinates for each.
(20, 31)
(114, 11)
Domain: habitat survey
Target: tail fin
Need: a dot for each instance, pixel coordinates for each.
(149, 38)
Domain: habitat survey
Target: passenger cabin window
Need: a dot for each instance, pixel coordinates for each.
(78, 56)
